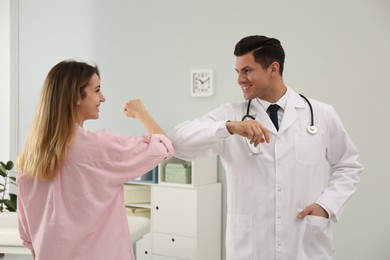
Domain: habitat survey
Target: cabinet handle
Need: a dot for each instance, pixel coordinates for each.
(157, 207)
(173, 240)
(146, 252)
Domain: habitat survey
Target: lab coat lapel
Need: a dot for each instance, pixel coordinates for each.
(294, 102)
(261, 115)
(263, 118)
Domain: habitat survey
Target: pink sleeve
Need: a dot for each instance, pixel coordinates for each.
(23, 226)
(130, 157)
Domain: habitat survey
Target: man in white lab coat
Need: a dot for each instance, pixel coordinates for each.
(278, 205)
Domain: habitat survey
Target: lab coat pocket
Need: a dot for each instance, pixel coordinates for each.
(238, 237)
(308, 148)
(318, 238)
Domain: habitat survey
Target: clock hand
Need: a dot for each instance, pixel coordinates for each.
(205, 80)
(200, 81)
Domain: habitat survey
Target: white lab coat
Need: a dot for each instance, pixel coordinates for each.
(266, 192)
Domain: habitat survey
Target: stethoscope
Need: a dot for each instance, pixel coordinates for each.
(311, 129)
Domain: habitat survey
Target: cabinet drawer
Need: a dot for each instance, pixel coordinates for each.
(172, 245)
(161, 257)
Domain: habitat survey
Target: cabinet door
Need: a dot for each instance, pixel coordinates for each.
(174, 210)
(144, 248)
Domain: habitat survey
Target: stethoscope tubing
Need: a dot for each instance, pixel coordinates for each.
(312, 129)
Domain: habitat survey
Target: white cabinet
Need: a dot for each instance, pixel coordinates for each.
(185, 218)
(186, 222)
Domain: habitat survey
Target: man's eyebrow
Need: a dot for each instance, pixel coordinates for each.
(244, 68)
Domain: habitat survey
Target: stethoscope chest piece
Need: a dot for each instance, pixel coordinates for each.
(311, 129)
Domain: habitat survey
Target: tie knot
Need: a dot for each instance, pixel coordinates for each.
(273, 108)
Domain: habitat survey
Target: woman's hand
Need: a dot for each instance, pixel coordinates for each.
(134, 108)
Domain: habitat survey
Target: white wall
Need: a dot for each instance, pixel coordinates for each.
(4, 80)
(337, 51)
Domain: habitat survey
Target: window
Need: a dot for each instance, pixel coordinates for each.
(8, 79)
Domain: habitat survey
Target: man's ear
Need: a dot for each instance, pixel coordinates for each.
(274, 67)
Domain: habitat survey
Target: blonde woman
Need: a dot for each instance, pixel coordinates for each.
(70, 202)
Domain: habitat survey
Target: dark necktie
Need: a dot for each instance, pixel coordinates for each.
(273, 114)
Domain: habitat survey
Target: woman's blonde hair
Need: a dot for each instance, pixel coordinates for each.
(54, 126)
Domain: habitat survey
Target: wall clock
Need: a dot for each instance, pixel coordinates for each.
(202, 83)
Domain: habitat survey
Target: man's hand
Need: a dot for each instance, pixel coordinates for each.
(315, 210)
(250, 129)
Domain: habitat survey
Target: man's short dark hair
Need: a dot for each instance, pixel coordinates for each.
(265, 50)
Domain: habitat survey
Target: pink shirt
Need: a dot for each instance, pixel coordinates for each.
(80, 215)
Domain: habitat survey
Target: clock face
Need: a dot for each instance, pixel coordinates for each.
(202, 83)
